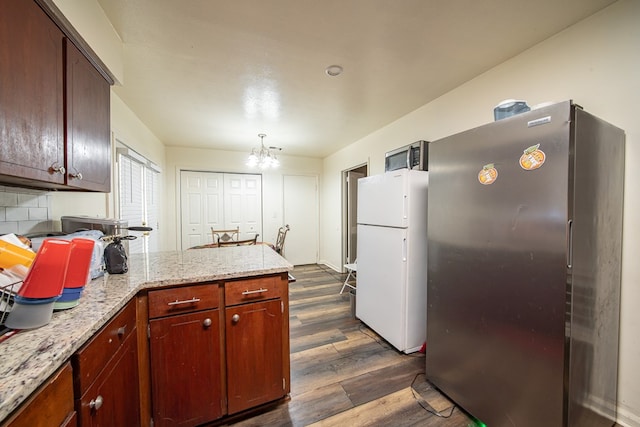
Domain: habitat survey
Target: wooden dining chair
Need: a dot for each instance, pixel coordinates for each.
(225, 235)
(282, 234)
(244, 242)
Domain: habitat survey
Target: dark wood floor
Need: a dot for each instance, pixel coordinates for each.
(343, 374)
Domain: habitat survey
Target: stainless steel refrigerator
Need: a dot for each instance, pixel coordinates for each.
(524, 245)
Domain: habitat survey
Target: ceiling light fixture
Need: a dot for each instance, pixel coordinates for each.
(333, 70)
(262, 156)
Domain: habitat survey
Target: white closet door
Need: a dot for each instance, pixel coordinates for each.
(300, 195)
(201, 206)
(243, 204)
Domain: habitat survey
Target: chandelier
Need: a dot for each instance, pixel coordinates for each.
(263, 157)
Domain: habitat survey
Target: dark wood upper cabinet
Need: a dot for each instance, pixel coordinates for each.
(87, 124)
(54, 106)
(31, 94)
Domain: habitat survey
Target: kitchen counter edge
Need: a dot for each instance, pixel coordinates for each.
(30, 357)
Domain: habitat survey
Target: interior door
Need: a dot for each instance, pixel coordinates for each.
(243, 204)
(201, 205)
(300, 197)
(352, 214)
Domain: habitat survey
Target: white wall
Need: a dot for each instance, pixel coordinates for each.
(88, 18)
(231, 161)
(597, 64)
(128, 128)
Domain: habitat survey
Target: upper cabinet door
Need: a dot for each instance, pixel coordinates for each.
(87, 123)
(31, 94)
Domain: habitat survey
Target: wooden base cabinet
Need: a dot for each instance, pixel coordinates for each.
(106, 374)
(217, 349)
(186, 360)
(51, 405)
(254, 356)
(185, 369)
(112, 399)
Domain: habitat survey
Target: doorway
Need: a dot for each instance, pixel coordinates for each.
(300, 211)
(350, 179)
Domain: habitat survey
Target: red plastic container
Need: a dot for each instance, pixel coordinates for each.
(79, 263)
(45, 278)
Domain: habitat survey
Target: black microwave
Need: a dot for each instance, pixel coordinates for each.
(412, 156)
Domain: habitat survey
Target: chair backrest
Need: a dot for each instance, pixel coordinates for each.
(245, 242)
(225, 235)
(282, 234)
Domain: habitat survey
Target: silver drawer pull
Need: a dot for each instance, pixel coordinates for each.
(186, 301)
(257, 291)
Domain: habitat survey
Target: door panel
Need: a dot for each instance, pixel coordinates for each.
(186, 381)
(243, 204)
(392, 188)
(381, 282)
(254, 354)
(300, 195)
(201, 207)
(352, 215)
(219, 201)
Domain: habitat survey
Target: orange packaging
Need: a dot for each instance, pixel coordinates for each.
(11, 255)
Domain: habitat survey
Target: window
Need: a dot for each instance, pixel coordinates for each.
(138, 198)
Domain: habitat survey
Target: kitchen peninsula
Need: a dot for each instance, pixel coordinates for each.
(228, 275)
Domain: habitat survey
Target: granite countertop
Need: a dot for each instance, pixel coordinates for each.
(29, 357)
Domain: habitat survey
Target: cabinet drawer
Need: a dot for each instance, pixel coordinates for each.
(51, 405)
(90, 359)
(249, 290)
(186, 299)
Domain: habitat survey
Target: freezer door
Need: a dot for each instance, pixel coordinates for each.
(383, 199)
(497, 267)
(381, 282)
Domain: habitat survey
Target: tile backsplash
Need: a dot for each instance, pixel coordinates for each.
(24, 211)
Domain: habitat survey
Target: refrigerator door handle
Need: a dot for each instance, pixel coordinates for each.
(569, 243)
(404, 250)
(405, 206)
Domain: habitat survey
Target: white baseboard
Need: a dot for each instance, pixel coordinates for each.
(627, 417)
(331, 266)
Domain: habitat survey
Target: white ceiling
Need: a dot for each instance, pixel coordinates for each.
(216, 73)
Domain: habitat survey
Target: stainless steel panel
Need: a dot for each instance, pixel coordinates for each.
(108, 226)
(497, 270)
(596, 265)
(524, 274)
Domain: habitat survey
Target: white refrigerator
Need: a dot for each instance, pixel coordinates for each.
(392, 256)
